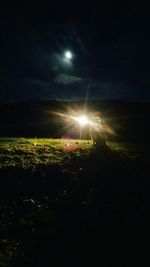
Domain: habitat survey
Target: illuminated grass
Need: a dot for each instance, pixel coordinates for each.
(30, 152)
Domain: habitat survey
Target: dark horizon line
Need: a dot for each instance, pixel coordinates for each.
(72, 100)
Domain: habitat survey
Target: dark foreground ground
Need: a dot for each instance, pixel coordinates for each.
(62, 209)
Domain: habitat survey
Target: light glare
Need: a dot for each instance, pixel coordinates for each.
(83, 120)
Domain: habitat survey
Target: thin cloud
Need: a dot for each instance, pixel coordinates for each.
(67, 79)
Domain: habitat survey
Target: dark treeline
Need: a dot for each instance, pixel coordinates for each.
(130, 121)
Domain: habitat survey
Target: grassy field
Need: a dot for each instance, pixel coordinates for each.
(31, 152)
(28, 153)
(50, 189)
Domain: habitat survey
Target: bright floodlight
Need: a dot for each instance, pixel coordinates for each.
(68, 55)
(82, 120)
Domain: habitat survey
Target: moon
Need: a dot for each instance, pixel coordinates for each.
(68, 55)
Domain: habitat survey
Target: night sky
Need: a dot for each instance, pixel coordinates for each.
(110, 42)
